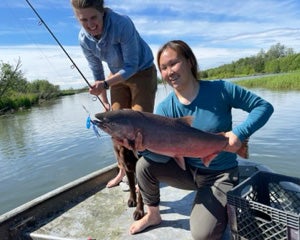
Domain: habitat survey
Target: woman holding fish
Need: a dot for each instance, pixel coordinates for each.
(210, 104)
(111, 37)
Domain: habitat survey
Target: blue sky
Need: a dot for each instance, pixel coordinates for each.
(218, 31)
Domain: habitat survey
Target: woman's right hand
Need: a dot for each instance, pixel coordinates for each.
(137, 143)
(97, 88)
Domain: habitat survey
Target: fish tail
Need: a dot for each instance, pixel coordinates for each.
(244, 150)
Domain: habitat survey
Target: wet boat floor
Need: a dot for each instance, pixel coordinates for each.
(105, 215)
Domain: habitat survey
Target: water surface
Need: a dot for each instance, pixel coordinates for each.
(48, 146)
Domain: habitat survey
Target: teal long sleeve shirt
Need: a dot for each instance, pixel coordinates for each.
(212, 112)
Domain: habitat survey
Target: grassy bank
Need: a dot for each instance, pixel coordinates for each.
(20, 101)
(280, 82)
(16, 102)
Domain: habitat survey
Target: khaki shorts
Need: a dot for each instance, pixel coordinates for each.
(137, 92)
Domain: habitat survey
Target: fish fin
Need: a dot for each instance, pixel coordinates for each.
(207, 160)
(181, 162)
(187, 120)
(244, 150)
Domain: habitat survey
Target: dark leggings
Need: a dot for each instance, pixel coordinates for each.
(208, 218)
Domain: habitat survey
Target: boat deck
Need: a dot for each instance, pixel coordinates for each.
(105, 215)
(85, 209)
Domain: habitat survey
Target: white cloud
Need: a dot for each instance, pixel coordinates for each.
(219, 32)
(49, 63)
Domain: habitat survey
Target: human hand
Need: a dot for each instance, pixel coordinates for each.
(105, 102)
(135, 145)
(103, 97)
(106, 106)
(97, 88)
(234, 143)
(138, 143)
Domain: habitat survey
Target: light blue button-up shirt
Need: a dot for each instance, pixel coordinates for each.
(120, 46)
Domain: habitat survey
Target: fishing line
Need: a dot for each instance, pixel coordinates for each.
(61, 46)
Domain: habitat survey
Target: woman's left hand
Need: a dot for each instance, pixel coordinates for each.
(234, 143)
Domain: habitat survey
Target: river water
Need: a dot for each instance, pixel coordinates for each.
(49, 146)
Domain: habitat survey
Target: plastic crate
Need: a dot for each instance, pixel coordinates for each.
(265, 206)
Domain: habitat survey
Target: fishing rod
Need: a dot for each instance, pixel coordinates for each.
(61, 46)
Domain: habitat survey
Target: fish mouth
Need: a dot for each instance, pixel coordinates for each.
(102, 125)
(99, 123)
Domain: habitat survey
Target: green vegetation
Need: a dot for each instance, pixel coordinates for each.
(281, 82)
(281, 62)
(281, 65)
(17, 93)
(278, 59)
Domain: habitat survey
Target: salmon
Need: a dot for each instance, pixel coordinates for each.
(173, 137)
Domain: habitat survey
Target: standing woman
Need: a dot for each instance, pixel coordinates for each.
(111, 37)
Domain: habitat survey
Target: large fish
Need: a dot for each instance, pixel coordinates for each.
(172, 137)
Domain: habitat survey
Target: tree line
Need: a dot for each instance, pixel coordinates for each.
(16, 92)
(278, 59)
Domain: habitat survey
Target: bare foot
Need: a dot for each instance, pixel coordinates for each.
(116, 180)
(151, 218)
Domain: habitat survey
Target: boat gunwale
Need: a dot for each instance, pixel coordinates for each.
(34, 213)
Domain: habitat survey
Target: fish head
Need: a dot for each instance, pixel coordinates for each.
(116, 123)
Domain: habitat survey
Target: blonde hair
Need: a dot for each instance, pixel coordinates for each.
(97, 4)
